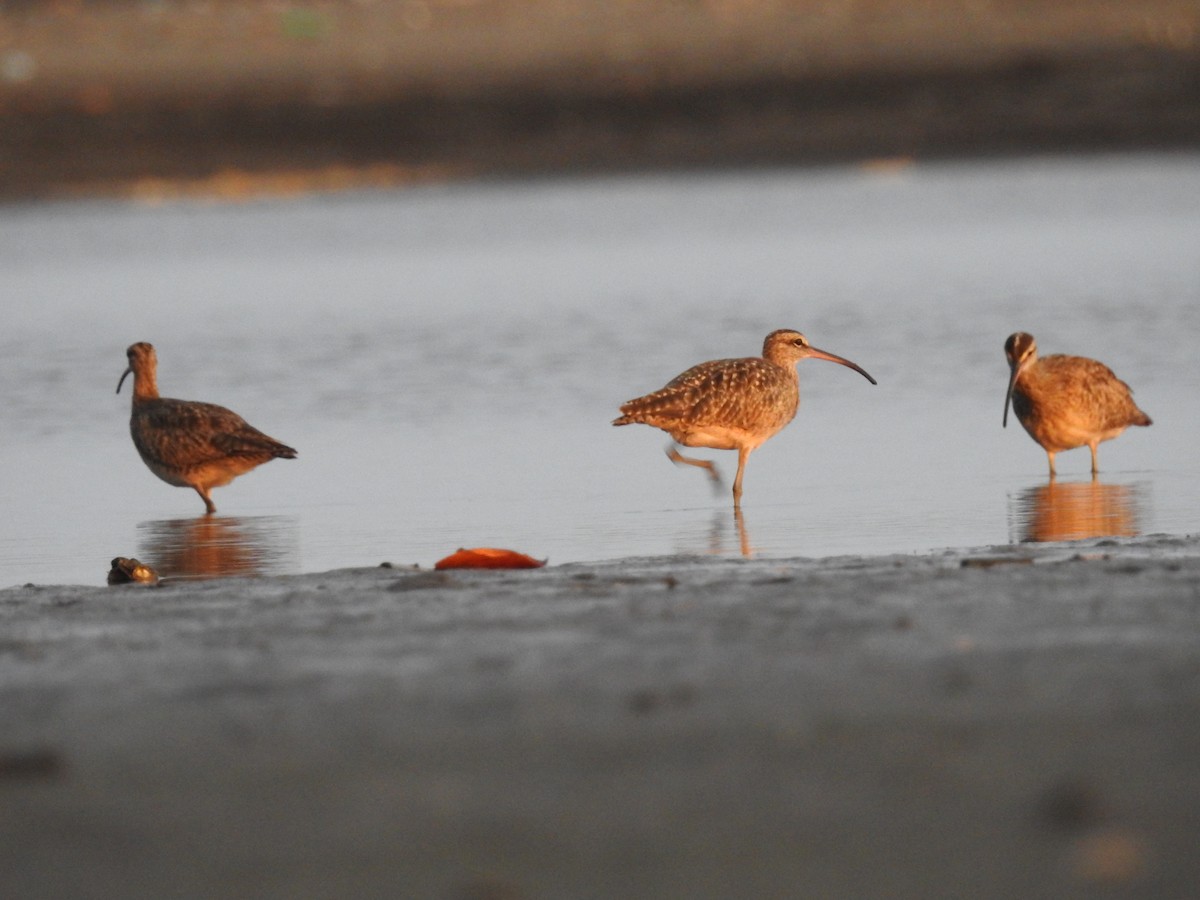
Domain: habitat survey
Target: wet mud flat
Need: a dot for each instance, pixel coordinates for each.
(243, 98)
(1015, 721)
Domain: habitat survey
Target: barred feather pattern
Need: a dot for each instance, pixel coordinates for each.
(752, 398)
(731, 404)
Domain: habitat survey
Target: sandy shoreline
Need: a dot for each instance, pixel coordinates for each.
(1012, 721)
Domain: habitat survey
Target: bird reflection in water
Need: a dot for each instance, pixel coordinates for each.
(717, 534)
(1072, 511)
(217, 546)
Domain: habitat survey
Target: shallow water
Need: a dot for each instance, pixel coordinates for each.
(447, 361)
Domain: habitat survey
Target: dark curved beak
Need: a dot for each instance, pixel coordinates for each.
(814, 353)
(1012, 383)
(128, 371)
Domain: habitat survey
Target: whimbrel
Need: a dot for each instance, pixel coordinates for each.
(187, 443)
(1066, 401)
(731, 404)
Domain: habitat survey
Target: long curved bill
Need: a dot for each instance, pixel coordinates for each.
(814, 353)
(128, 371)
(1012, 383)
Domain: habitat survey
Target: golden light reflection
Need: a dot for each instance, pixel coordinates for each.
(743, 534)
(243, 185)
(718, 544)
(219, 546)
(1071, 511)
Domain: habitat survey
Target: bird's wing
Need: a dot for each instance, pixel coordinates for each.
(179, 432)
(730, 392)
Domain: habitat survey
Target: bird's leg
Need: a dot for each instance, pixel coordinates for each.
(1050, 456)
(209, 506)
(743, 453)
(1095, 464)
(679, 459)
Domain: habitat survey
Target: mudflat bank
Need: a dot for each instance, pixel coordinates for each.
(239, 98)
(1016, 721)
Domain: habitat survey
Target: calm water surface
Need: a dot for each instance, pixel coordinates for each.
(447, 360)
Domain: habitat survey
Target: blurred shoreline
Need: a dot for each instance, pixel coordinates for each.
(236, 99)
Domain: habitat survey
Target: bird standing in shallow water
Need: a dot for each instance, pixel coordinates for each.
(731, 404)
(1066, 401)
(187, 443)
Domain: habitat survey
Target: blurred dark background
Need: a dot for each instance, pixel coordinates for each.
(157, 98)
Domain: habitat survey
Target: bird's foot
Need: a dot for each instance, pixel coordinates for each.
(679, 459)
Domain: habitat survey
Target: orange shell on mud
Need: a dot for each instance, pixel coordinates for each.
(488, 558)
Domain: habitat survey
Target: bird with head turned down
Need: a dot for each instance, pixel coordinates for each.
(1066, 402)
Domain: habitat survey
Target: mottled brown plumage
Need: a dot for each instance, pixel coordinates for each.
(1066, 401)
(731, 404)
(187, 443)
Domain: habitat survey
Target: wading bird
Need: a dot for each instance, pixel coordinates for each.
(187, 443)
(731, 404)
(1065, 402)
